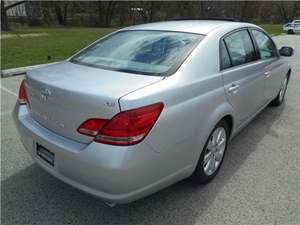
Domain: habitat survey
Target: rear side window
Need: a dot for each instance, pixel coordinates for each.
(265, 45)
(240, 47)
(225, 60)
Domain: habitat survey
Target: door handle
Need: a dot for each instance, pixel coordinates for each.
(233, 88)
(267, 74)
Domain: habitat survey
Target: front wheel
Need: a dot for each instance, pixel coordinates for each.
(212, 155)
(290, 32)
(280, 97)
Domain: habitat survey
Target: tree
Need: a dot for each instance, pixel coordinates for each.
(61, 12)
(147, 10)
(288, 10)
(106, 11)
(4, 20)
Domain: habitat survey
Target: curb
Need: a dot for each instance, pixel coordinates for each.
(21, 70)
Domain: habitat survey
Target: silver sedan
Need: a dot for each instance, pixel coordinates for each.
(149, 105)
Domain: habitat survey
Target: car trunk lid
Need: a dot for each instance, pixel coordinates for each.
(64, 95)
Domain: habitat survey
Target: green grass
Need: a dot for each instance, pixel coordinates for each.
(60, 43)
(272, 29)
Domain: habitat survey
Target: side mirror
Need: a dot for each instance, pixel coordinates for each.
(286, 51)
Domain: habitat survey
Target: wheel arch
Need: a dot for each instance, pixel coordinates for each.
(229, 120)
(226, 115)
(222, 112)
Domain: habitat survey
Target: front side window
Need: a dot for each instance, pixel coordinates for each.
(140, 52)
(265, 45)
(240, 48)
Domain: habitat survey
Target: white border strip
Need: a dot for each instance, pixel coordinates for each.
(9, 91)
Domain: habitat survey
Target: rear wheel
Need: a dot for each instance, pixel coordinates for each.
(280, 97)
(212, 155)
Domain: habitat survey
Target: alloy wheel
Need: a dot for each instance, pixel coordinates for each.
(283, 89)
(214, 151)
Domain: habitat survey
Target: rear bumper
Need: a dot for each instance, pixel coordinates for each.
(112, 173)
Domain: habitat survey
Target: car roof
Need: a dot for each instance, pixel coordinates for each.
(191, 26)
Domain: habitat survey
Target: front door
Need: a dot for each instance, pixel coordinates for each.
(269, 57)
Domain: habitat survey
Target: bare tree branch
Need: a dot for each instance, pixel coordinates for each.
(13, 5)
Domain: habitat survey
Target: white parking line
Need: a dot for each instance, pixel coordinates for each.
(9, 91)
(5, 113)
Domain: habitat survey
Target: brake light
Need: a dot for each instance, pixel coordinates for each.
(23, 99)
(126, 128)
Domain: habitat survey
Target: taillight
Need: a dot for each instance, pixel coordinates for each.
(91, 127)
(126, 128)
(23, 99)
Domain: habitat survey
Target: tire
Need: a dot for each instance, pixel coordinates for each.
(290, 32)
(204, 171)
(281, 94)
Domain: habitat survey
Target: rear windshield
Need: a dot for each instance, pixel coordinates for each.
(141, 52)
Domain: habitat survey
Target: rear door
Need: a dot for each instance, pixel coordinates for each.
(242, 74)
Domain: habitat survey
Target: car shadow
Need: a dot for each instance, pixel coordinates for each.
(32, 196)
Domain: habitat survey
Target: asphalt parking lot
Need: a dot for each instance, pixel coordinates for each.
(259, 182)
